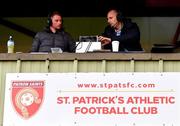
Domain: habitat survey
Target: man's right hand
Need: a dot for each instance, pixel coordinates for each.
(104, 40)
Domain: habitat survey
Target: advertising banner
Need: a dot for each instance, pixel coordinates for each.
(92, 99)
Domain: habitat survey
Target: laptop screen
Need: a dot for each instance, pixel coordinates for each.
(92, 38)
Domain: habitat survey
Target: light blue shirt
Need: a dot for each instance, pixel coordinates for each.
(118, 33)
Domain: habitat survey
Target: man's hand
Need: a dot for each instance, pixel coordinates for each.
(104, 40)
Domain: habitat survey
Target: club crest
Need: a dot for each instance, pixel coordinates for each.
(27, 97)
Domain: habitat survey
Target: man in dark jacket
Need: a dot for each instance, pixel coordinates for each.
(53, 36)
(123, 30)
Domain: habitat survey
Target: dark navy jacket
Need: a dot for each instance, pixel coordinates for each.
(45, 40)
(129, 37)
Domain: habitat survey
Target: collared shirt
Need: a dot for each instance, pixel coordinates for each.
(118, 33)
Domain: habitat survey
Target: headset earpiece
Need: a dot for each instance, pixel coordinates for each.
(119, 16)
(49, 20)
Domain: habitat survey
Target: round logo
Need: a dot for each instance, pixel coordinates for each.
(27, 99)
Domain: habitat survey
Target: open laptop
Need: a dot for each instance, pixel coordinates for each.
(88, 44)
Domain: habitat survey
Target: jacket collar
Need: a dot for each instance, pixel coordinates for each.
(47, 29)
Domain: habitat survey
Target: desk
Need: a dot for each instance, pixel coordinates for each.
(84, 62)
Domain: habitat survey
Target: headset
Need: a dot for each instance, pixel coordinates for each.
(49, 20)
(119, 16)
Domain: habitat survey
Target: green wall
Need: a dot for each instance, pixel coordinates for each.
(153, 29)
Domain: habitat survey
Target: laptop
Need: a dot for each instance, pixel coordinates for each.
(87, 44)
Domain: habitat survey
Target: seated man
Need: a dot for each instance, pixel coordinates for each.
(122, 30)
(53, 36)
